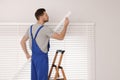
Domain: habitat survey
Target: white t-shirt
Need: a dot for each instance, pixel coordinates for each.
(42, 38)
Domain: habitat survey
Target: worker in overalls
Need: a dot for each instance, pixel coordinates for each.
(39, 36)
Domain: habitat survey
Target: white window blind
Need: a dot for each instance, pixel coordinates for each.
(78, 61)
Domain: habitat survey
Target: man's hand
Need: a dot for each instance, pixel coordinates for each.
(28, 56)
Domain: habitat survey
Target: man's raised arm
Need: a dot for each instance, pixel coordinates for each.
(63, 32)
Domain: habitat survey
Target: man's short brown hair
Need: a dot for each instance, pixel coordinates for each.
(39, 12)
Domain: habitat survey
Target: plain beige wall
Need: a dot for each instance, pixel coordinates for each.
(105, 13)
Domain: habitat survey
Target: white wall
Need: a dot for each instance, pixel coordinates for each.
(105, 13)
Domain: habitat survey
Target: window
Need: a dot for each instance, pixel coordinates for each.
(78, 61)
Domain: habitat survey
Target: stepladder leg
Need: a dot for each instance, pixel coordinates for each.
(49, 75)
(50, 72)
(63, 73)
(56, 74)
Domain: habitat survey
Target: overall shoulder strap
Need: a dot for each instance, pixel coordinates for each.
(31, 31)
(48, 45)
(37, 31)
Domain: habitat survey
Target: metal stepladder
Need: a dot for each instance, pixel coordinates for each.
(57, 67)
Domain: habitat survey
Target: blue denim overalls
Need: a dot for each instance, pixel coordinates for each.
(39, 61)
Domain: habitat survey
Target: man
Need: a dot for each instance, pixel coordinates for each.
(39, 36)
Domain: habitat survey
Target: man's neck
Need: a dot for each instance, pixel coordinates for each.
(40, 22)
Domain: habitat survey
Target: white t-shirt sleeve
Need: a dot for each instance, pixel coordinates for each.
(49, 31)
(27, 32)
